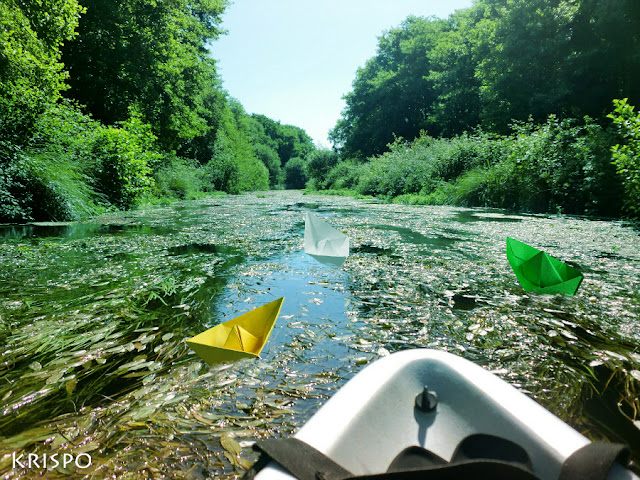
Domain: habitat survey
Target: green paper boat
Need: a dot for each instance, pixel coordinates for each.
(539, 272)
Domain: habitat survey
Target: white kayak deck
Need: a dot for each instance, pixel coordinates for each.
(373, 417)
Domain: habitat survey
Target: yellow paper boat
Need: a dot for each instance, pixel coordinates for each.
(241, 337)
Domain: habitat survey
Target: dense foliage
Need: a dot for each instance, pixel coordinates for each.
(559, 166)
(147, 54)
(498, 61)
(319, 164)
(626, 157)
(106, 105)
(120, 160)
(520, 75)
(31, 75)
(295, 173)
(145, 116)
(391, 94)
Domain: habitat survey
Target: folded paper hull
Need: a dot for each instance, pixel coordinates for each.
(322, 240)
(241, 337)
(331, 261)
(539, 272)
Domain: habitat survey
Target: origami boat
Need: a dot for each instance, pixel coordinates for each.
(323, 242)
(538, 272)
(241, 337)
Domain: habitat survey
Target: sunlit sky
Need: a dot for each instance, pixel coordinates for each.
(293, 60)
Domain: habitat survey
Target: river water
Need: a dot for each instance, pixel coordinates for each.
(94, 318)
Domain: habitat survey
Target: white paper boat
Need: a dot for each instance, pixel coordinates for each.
(323, 242)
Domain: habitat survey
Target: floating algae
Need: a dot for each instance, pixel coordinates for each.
(95, 326)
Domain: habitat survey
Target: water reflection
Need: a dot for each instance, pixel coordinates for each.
(479, 215)
(408, 235)
(74, 231)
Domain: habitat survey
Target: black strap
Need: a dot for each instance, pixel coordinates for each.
(469, 470)
(415, 458)
(593, 461)
(306, 463)
(302, 460)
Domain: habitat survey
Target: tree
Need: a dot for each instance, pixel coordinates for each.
(626, 157)
(568, 57)
(290, 141)
(234, 164)
(214, 103)
(522, 76)
(453, 61)
(391, 95)
(604, 59)
(150, 55)
(31, 75)
(295, 173)
(269, 157)
(319, 163)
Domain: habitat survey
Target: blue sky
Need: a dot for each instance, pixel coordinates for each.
(293, 60)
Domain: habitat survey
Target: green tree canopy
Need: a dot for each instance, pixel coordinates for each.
(557, 56)
(150, 55)
(319, 163)
(491, 64)
(31, 75)
(453, 62)
(290, 141)
(295, 173)
(391, 94)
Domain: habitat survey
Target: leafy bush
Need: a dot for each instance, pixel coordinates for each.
(221, 172)
(402, 170)
(560, 166)
(41, 186)
(269, 157)
(319, 163)
(252, 174)
(466, 152)
(234, 167)
(63, 129)
(121, 162)
(234, 172)
(14, 194)
(627, 157)
(295, 174)
(31, 76)
(45, 179)
(179, 178)
(345, 174)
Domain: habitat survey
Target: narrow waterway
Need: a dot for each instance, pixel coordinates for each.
(94, 318)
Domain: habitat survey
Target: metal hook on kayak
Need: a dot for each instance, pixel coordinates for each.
(426, 401)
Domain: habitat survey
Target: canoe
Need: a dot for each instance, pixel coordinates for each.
(323, 242)
(377, 414)
(539, 272)
(240, 337)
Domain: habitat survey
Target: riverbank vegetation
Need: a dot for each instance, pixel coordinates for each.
(559, 166)
(506, 104)
(106, 106)
(513, 104)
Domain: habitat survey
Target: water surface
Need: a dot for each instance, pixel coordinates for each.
(94, 318)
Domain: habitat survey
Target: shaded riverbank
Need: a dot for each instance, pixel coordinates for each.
(94, 318)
